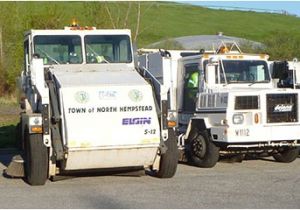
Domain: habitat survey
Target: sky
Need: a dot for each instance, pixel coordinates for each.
(292, 7)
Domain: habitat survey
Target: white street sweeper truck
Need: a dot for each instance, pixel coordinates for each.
(86, 107)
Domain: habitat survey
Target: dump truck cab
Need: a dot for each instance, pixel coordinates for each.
(227, 104)
(237, 110)
(86, 107)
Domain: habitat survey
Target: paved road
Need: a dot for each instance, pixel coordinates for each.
(250, 184)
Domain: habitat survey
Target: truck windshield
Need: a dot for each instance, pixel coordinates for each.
(108, 49)
(244, 71)
(58, 49)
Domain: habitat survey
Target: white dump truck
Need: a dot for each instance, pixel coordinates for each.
(86, 107)
(226, 104)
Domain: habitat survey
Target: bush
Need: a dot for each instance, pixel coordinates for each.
(249, 47)
(282, 45)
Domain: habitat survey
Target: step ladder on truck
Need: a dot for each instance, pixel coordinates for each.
(226, 104)
(86, 107)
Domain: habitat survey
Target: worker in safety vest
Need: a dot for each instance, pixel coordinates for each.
(193, 80)
(192, 89)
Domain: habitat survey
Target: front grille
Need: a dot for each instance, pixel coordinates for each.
(282, 108)
(246, 102)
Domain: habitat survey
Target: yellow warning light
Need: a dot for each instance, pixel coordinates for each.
(36, 129)
(171, 124)
(75, 26)
(256, 118)
(224, 49)
(74, 23)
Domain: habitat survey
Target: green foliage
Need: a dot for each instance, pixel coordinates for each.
(283, 45)
(248, 47)
(8, 136)
(149, 22)
(8, 122)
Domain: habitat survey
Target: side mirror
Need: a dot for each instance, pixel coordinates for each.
(210, 73)
(37, 71)
(280, 69)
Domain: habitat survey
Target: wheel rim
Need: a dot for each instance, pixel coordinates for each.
(199, 147)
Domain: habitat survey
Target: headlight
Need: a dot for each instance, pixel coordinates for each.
(35, 120)
(238, 119)
(35, 124)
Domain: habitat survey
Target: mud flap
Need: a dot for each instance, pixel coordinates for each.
(55, 120)
(56, 143)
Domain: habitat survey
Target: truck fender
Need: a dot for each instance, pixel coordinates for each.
(201, 124)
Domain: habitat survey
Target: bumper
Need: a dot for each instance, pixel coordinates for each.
(97, 158)
(256, 134)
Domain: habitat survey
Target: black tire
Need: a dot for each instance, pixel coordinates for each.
(202, 152)
(169, 160)
(36, 159)
(287, 155)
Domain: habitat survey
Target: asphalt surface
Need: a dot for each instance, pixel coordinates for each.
(259, 183)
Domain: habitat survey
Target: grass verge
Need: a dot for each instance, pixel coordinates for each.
(9, 118)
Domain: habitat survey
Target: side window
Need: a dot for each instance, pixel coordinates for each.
(124, 51)
(108, 49)
(58, 49)
(191, 75)
(26, 55)
(191, 86)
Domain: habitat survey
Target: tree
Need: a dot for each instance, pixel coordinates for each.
(128, 15)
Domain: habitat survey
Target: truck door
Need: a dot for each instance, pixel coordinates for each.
(191, 84)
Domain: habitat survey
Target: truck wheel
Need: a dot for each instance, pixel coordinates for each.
(287, 155)
(203, 152)
(169, 160)
(36, 159)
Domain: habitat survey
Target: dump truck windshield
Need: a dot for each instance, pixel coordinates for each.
(108, 49)
(244, 71)
(58, 49)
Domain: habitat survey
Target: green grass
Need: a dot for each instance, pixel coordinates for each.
(8, 134)
(175, 20)
(9, 118)
(6, 101)
(159, 20)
